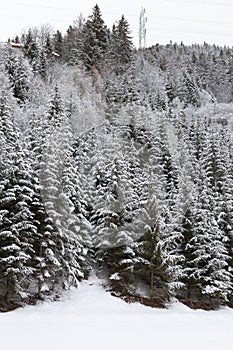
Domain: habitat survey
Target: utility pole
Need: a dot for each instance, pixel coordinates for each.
(142, 29)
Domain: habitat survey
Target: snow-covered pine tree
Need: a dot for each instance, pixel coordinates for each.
(120, 48)
(68, 249)
(225, 200)
(93, 42)
(20, 74)
(208, 279)
(113, 236)
(16, 224)
(151, 269)
(45, 265)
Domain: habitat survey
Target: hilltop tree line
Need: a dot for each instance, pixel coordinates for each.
(118, 160)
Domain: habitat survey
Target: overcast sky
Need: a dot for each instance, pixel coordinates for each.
(190, 21)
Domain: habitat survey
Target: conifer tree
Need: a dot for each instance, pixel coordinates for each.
(123, 41)
(93, 43)
(16, 223)
(20, 75)
(120, 48)
(58, 43)
(150, 260)
(31, 49)
(68, 249)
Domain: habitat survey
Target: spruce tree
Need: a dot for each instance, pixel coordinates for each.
(93, 42)
(20, 75)
(16, 224)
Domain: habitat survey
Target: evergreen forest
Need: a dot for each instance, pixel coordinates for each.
(116, 160)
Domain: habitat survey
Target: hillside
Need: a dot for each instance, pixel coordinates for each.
(115, 158)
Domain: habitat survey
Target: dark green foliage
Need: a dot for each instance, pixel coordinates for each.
(58, 43)
(30, 47)
(19, 73)
(120, 46)
(151, 267)
(92, 44)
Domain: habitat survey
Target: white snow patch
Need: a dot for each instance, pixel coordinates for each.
(115, 276)
(90, 318)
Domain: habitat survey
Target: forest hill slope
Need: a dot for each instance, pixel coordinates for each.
(119, 158)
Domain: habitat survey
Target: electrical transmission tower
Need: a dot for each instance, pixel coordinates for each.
(142, 28)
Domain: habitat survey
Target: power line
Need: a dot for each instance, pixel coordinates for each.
(34, 18)
(191, 20)
(201, 2)
(177, 18)
(134, 15)
(150, 29)
(189, 31)
(75, 9)
(131, 15)
(41, 6)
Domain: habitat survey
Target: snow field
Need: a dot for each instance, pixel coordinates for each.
(90, 318)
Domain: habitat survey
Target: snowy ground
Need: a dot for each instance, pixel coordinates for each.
(90, 318)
